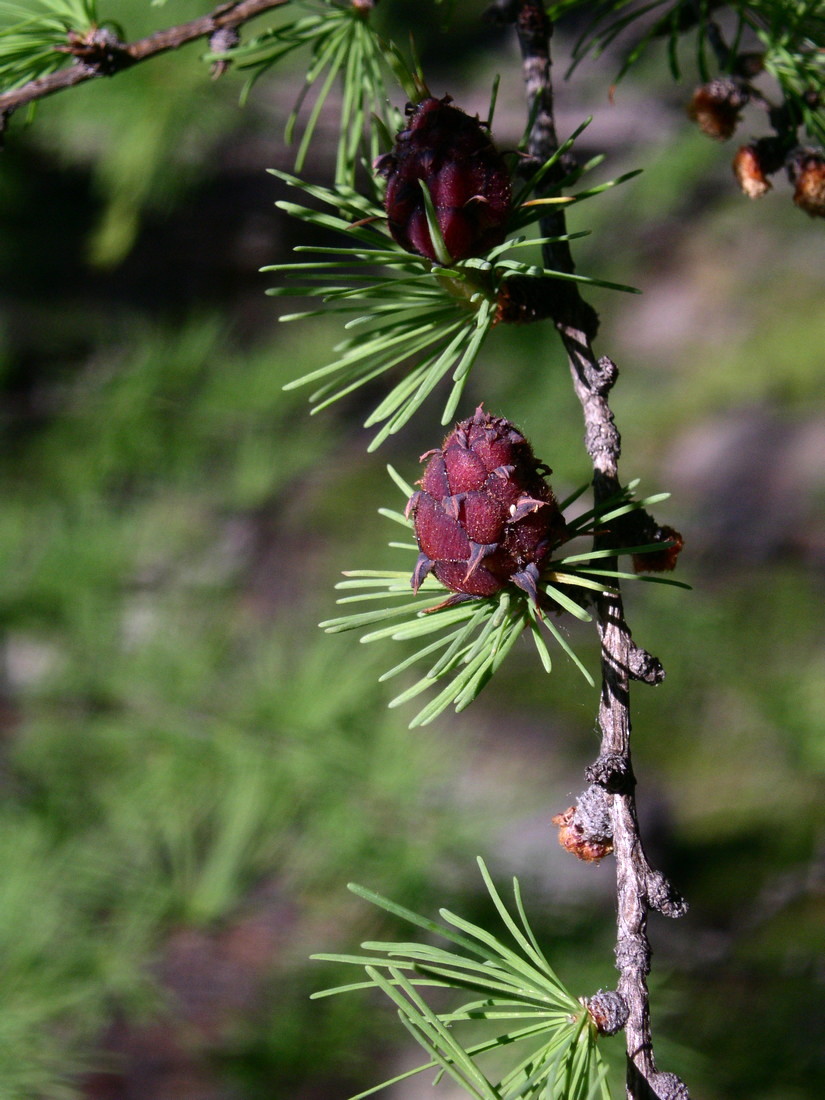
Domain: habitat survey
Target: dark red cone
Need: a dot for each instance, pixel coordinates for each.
(466, 177)
(484, 516)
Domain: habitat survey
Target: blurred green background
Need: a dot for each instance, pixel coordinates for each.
(191, 772)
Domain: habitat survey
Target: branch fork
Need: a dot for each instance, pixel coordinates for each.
(99, 52)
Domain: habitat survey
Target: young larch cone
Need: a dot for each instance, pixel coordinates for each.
(468, 181)
(484, 516)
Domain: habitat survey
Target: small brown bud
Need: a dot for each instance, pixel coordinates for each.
(717, 106)
(750, 172)
(806, 170)
(574, 839)
(664, 560)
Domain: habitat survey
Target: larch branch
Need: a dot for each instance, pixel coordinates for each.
(100, 53)
(638, 887)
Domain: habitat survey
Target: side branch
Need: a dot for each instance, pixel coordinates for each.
(639, 888)
(100, 53)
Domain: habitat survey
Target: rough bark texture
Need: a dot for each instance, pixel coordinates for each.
(638, 887)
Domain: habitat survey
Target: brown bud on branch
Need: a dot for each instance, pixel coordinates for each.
(585, 830)
(717, 106)
(806, 170)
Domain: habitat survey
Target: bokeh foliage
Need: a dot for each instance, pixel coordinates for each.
(182, 748)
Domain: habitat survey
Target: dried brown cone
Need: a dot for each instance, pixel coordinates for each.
(717, 107)
(585, 829)
(750, 172)
(572, 838)
(756, 161)
(806, 170)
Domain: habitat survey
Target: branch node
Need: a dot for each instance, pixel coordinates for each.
(667, 1086)
(585, 829)
(663, 896)
(99, 52)
(224, 39)
(613, 772)
(643, 666)
(601, 436)
(608, 1010)
(632, 955)
(603, 379)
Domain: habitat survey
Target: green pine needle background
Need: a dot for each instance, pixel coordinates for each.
(191, 771)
